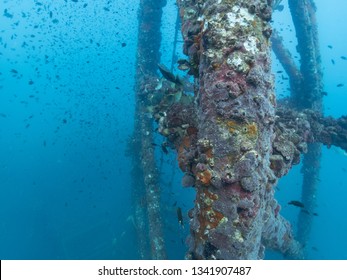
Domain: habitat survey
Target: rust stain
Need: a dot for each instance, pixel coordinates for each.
(204, 177)
(208, 217)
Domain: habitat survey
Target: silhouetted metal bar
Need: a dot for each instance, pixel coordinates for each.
(288, 64)
(228, 153)
(304, 19)
(148, 56)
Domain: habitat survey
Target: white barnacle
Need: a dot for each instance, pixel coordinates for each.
(250, 44)
(239, 16)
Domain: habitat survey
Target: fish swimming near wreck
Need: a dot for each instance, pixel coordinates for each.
(180, 216)
(168, 75)
(296, 203)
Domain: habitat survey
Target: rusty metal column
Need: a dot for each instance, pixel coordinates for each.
(303, 14)
(228, 45)
(148, 56)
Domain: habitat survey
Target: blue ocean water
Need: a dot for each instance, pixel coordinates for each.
(67, 104)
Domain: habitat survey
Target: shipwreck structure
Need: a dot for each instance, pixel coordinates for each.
(233, 141)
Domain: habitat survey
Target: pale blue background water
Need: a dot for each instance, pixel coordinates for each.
(65, 179)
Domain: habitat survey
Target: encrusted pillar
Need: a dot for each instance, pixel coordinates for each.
(235, 213)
